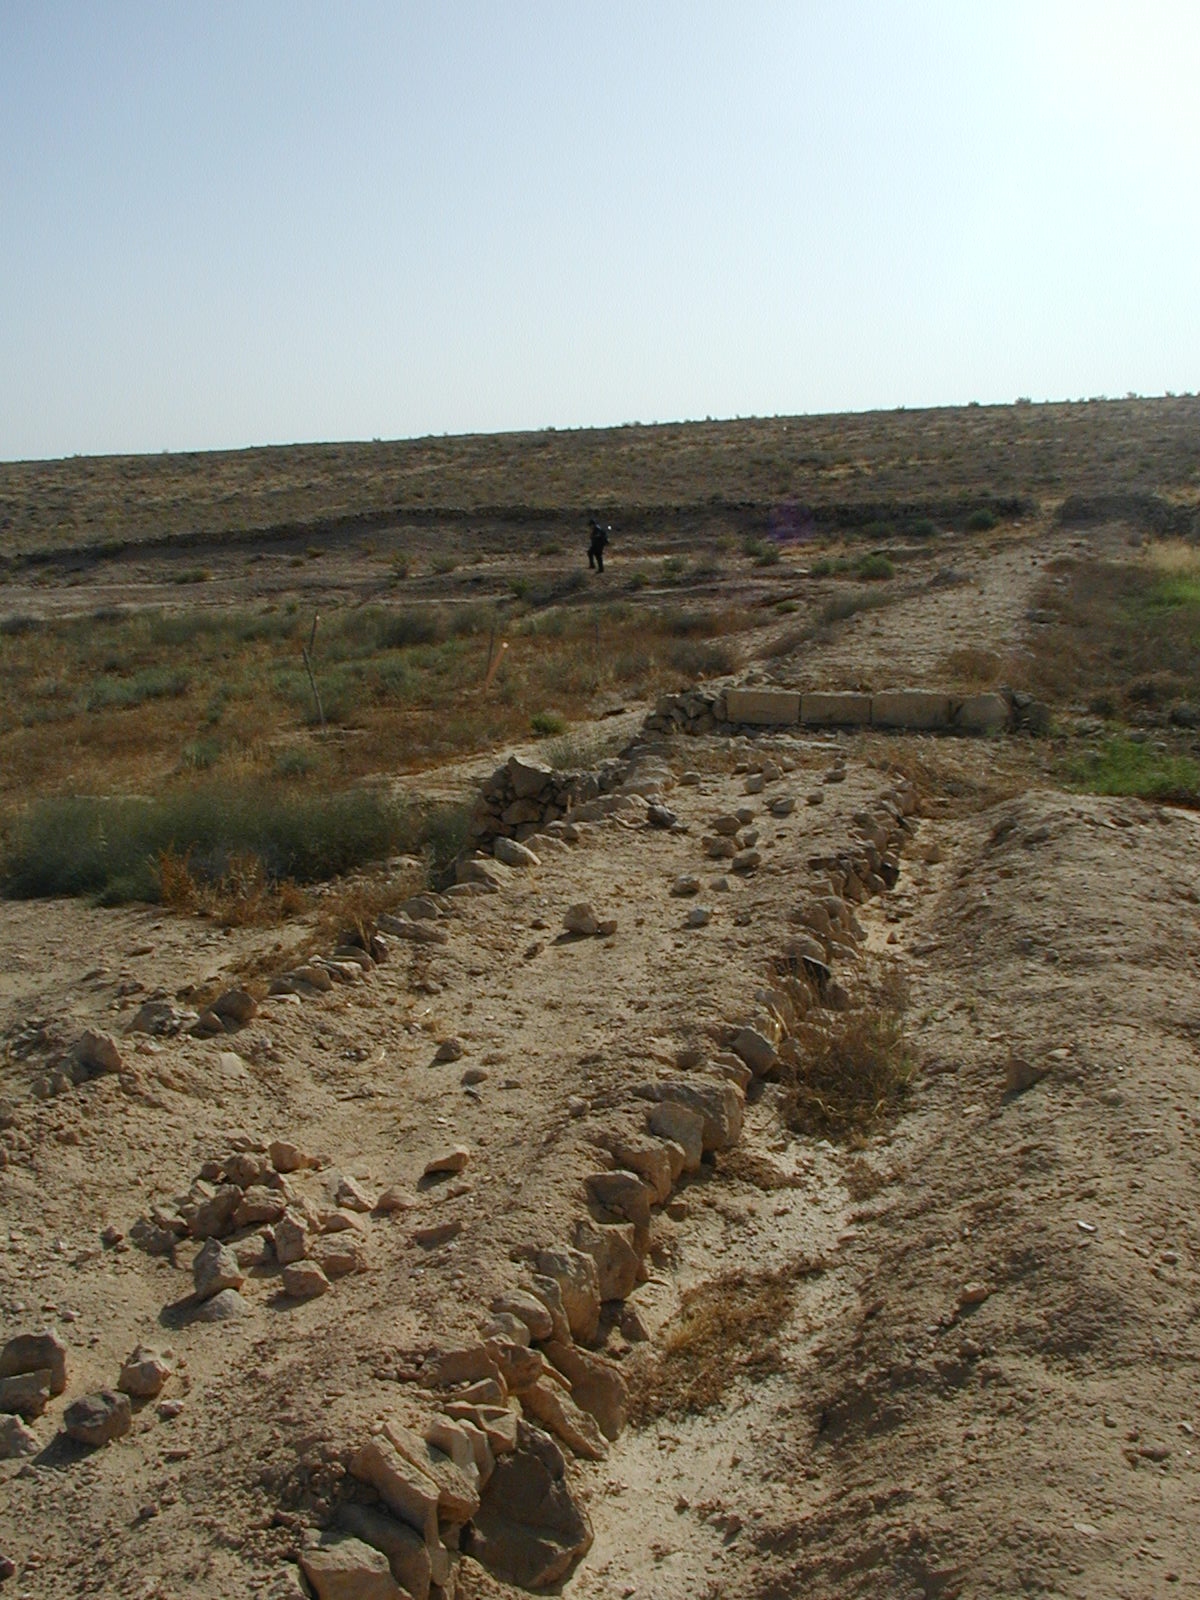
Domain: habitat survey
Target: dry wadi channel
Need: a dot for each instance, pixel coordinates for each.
(412, 1277)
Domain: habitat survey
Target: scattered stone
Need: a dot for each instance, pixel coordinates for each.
(422, 931)
(290, 1237)
(348, 1569)
(449, 1050)
(143, 1374)
(454, 1160)
(685, 886)
(161, 1019)
(755, 782)
(689, 779)
(747, 861)
(474, 1075)
(36, 1352)
(26, 1394)
(97, 1053)
(436, 1233)
(660, 816)
(529, 1529)
(304, 1280)
(506, 1327)
(235, 1006)
(215, 1268)
(96, 1419)
(782, 806)
(223, 1307)
(582, 920)
(351, 1194)
(259, 1204)
(699, 917)
(16, 1439)
(213, 1215)
(395, 1198)
(1021, 1074)
(718, 848)
(340, 1254)
(973, 1294)
(547, 1291)
(287, 1157)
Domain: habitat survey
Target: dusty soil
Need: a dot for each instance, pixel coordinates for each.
(1034, 1437)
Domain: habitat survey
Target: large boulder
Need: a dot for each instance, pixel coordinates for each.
(529, 1529)
(348, 1569)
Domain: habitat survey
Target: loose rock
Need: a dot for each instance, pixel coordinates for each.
(96, 1419)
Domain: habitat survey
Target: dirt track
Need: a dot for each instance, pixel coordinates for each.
(1038, 1441)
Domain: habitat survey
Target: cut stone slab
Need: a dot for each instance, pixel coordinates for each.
(348, 1569)
(763, 707)
(835, 710)
(36, 1352)
(96, 1419)
(910, 708)
(529, 1529)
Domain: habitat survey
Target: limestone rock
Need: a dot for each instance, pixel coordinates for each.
(1020, 1073)
(98, 1053)
(348, 1569)
(449, 1050)
(341, 1253)
(680, 1126)
(755, 1050)
(549, 1293)
(552, 1406)
(16, 1439)
(699, 917)
(395, 1198)
(513, 854)
(432, 1234)
(216, 1268)
(407, 1553)
(351, 1194)
(498, 1423)
(457, 1487)
(235, 1006)
(578, 1283)
(658, 1162)
(528, 1309)
(726, 825)
(597, 1384)
(407, 1489)
(212, 1216)
(36, 1352)
(25, 1394)
(623, 1193)
(290, 1238)
(581, 919)
(143, 1374)
(223, 1307)
(453, 1160)
(304, 1280)
(471, 1364)
(96, 1419)
(287, 1157)
(453, 1436)
(687, 885)
(259, 1204)
(611, 1246)
(529, 1529)
(718, 1104)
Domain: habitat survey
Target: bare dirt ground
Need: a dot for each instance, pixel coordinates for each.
(986, 1383)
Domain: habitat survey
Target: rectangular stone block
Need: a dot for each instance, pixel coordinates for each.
(910, 708)
(775, 707)
(836, 710)
(981, 713)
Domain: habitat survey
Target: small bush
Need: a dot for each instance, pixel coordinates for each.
(982, 520)
(545, 724)
(874, 567)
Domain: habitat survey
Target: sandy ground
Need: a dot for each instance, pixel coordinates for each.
(1038, 1440)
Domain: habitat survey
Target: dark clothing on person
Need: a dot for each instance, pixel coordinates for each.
(596, 547)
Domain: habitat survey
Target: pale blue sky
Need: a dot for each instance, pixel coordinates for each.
(269, 220)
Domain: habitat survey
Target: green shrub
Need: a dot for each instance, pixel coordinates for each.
(875, 567)
(546, 724)
(110, 848)
(981, 520)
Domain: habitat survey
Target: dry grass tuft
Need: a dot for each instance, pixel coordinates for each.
(841, 1083)
(726, 1330)
(971, 667)
(747, 1166)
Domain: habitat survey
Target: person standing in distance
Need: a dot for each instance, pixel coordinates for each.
(599, 539)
